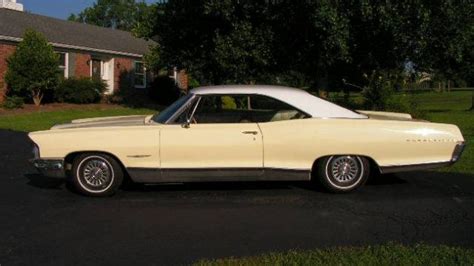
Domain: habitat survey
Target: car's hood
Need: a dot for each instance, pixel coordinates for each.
(111, 121)
(386, 115)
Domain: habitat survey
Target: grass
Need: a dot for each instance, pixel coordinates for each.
(389, 254)
(44, 120)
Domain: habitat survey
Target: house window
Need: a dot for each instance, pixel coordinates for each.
(140, 75)
(63, 64)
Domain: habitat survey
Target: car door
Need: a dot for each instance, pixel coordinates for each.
(218, 143)
(286, 141)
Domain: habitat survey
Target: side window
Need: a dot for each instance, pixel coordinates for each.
(63, 64)
(243, 109)
(223, 109)
(267, 109)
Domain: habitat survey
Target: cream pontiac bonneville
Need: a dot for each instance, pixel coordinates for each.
(243, 133)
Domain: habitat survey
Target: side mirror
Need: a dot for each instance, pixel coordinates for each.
(186, 124)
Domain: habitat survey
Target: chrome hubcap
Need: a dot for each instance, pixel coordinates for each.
(345, 169)
(96, 173)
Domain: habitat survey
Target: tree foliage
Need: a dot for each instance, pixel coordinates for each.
(32, 68)
(117, 14)
(317, 43)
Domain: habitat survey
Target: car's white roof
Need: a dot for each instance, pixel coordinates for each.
(306, 102)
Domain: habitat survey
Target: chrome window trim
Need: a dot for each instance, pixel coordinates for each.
(180, 110)
(199, 96)
(195, 107)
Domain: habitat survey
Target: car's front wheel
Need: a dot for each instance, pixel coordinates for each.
(343, 173)
(96, 174)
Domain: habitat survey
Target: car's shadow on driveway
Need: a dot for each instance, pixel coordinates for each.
(40, 181)
(395, 184)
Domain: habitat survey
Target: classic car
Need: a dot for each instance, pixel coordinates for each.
(243, 133)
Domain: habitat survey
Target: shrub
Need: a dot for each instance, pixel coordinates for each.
(163, 90)
(13, 102)
(228, 103)
(80, 90)
(32, 68)
(378, 92)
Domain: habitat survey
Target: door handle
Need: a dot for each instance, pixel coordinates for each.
(250, 132)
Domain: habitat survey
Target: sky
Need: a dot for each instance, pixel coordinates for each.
(57, 8)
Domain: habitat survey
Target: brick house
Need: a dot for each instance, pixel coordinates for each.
(85, 50)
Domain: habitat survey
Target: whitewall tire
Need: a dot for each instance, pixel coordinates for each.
(343, 173)
(96, 174)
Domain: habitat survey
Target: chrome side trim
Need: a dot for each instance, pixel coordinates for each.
(284, 174)
(139, 156)
(412, 167)
(155, 175)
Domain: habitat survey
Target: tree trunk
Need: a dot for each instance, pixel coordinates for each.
(37, 97)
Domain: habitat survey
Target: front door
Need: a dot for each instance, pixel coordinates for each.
(218, 145)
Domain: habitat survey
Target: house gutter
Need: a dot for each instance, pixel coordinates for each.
(75, 47)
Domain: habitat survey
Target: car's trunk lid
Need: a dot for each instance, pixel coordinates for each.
(386, 115)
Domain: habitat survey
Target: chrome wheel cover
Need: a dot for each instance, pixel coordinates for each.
(345, 169)
(95, 174)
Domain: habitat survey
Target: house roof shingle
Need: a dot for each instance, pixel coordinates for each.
(72, 34)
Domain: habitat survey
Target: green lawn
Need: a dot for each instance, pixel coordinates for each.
(390, 254)
(44, 120)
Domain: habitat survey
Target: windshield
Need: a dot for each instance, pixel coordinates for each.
(166, 114)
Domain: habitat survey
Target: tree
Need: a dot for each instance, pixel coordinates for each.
(248, 41)
(217, 41)
(32, 68)
(445, 46)
(116, 14)
(318, 42)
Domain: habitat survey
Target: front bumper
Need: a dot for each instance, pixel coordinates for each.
(50, 167)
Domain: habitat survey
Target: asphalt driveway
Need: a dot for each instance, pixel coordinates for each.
(41, 222)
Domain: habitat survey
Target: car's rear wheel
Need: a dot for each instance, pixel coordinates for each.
(343, 173)
(96, 174)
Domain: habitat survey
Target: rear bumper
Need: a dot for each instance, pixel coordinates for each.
(457, 152)
(50, 167)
